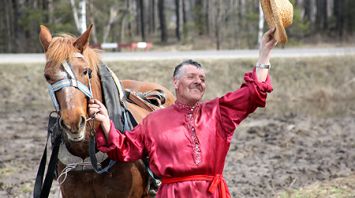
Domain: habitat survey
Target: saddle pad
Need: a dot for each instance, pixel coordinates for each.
(112, 96)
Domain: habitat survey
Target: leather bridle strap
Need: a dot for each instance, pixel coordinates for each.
(71, 81)
(42, 188)
(93, 159)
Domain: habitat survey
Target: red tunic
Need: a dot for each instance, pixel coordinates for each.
(183, 141)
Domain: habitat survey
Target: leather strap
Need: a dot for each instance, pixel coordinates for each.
(140, 102)
(42, 188)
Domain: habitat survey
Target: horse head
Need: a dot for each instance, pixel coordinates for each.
(71, 72)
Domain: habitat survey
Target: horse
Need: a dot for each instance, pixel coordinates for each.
(123, 179)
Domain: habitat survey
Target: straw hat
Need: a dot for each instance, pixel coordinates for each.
(279, 14)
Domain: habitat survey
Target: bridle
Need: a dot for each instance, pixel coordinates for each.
(71, 81)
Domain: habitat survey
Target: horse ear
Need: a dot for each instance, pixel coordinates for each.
(82, 42)
(45, 37)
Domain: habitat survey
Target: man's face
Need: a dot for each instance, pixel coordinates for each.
(190, 84)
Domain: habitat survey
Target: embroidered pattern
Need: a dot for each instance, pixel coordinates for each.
(190, 121)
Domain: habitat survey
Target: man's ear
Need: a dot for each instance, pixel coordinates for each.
(175, 82)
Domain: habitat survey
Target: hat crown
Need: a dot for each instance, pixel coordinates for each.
(279, 14)
(286, 12)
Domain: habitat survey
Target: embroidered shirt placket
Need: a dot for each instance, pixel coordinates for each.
(196, 150)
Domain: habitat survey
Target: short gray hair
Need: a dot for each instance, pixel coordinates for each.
(178, 67)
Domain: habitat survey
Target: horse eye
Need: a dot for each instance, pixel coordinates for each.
(87, 71)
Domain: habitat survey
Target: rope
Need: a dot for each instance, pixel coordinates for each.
(68, 168)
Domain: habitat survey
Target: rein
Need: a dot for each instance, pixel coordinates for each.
(42, 188)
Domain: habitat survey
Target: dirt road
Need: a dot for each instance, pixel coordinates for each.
(209, 54)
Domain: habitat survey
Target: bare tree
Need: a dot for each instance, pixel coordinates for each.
(177, 22)
(184, 20)
(92, 20)
(218, 20)
(339, 17)
(162, 22)
(79, 17)
(261, 24)
(142, 24)
(199, 18)
(111, 20)
(321, 15)
(152, 8)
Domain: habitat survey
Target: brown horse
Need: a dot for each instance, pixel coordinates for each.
(124, 179)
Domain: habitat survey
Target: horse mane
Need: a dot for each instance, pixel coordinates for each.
(61, 48)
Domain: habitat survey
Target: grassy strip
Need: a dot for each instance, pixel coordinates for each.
(322, 83)
(337, 188)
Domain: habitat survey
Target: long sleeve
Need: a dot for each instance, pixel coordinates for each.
(125, 147)
(237, 105)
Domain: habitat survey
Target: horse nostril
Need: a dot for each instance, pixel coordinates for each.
(82, 122)
(63, 125)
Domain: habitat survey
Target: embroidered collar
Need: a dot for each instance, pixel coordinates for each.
(186, 107)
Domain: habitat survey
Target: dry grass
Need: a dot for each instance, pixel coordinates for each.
(321, 86)
(337, 188)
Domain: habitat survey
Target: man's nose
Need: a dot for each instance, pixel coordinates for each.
(197, 81)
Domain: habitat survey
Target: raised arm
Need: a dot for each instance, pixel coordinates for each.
(267, 44)
(237, 105)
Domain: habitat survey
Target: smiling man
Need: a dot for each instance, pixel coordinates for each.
(187, 142)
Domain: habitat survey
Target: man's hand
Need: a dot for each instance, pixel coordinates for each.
(268, 42)
(98, 111)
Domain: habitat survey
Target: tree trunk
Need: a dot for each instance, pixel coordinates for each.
(184, 20)
(309, 10)
(177, 14)
(92, 20)
(112, 19)
(137, 17)
(321, 16)
(350, 16)
(129, 25)
(50, 11)
(163, 28)
(142, 24)
(206, 16)
(218, 24)
(5, 26)
(261, 25)
(75, 15)
(339, 17)
(15, 31)
(152, 16)
(82, 18)
(121, 24)
(199, 16)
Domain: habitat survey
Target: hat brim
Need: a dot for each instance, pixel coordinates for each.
(273, 19)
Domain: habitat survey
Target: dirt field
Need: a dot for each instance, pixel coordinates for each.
(304, 138)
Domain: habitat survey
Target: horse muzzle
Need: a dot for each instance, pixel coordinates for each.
(74, 131)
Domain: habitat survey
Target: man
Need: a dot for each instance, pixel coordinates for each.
(187, 143)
